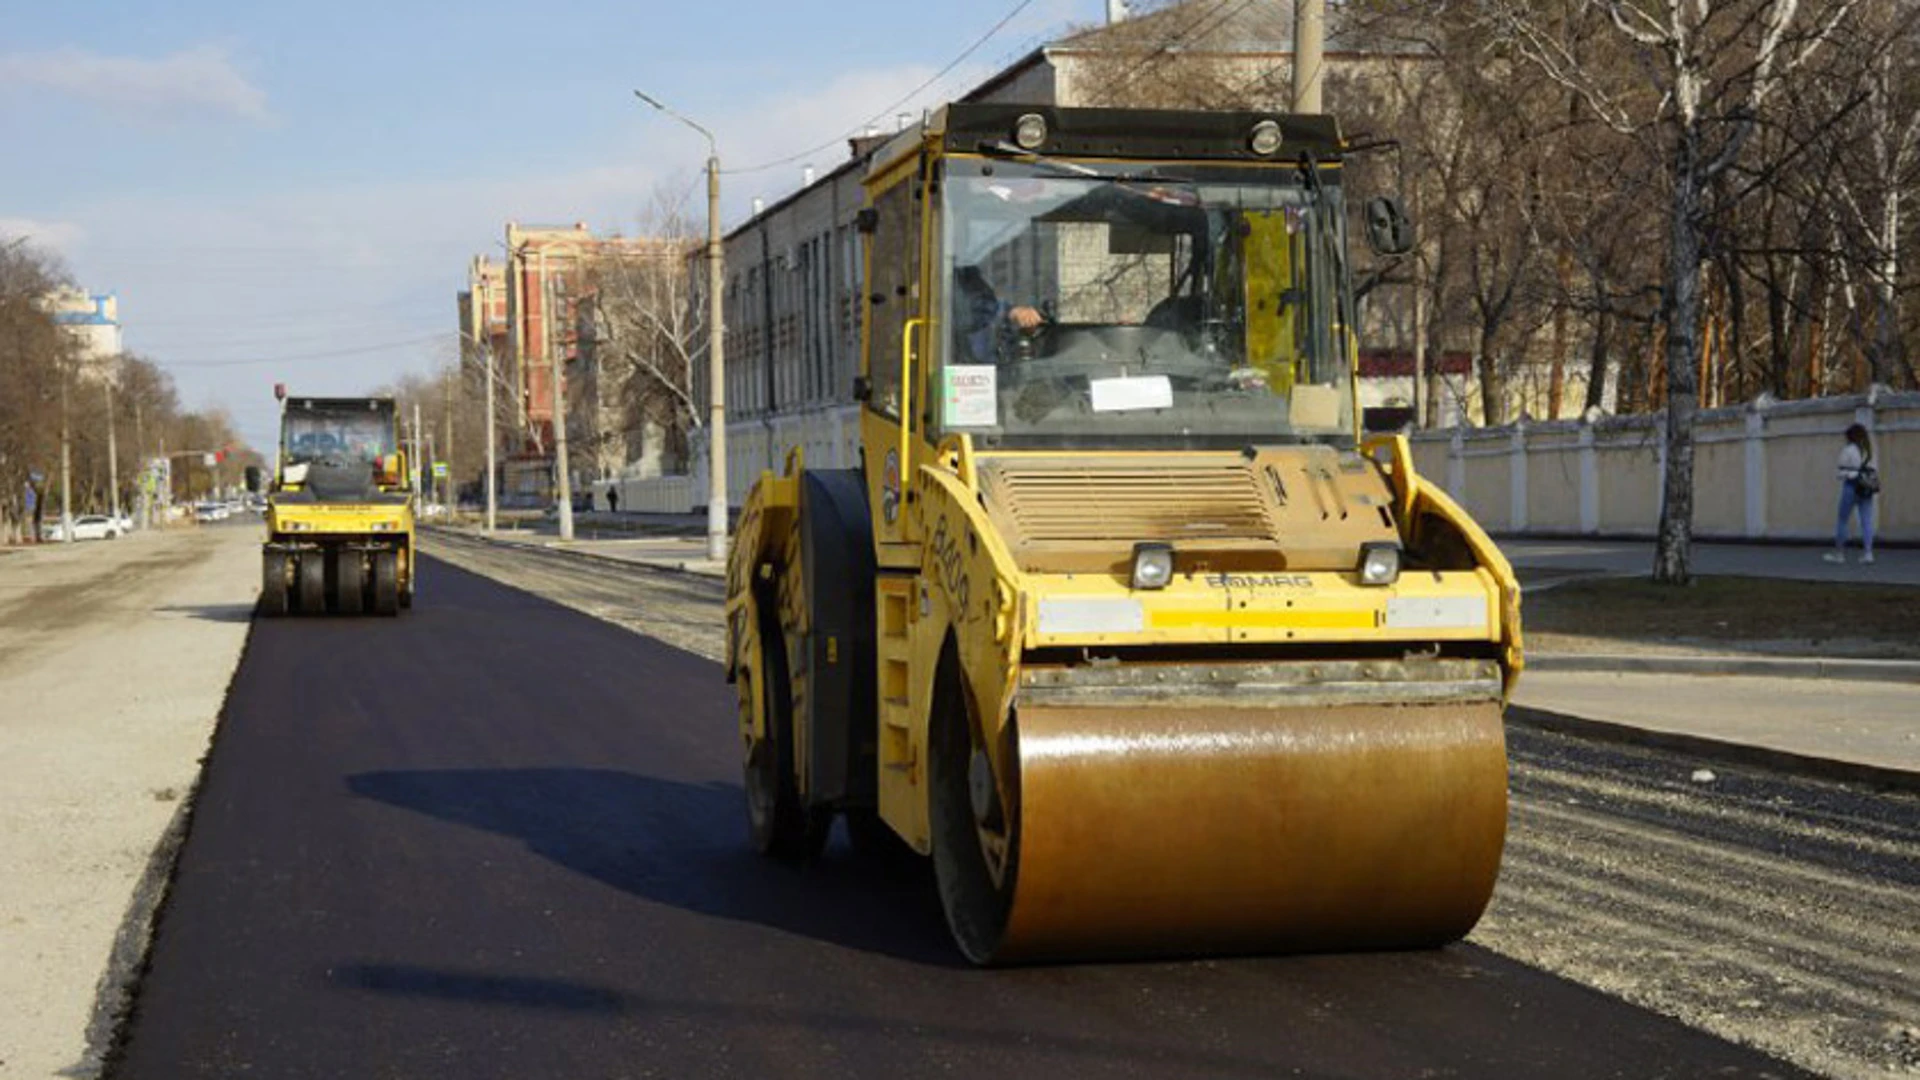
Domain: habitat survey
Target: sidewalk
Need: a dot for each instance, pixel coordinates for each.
(599, 539)
(1845, 719)
(1545, 562)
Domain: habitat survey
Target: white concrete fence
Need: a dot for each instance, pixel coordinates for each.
(1763, 471)
(830, 436)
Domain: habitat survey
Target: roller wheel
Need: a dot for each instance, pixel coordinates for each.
(776, 821)
(386, 583)
(976, 841)
(349, 582)
(273, 584)
(312, 571)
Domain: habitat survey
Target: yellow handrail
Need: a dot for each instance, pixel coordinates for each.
(906, 399)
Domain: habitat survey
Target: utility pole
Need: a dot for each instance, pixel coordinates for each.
(66, 459)
(1309, 49)
(113, 455)
(418, 488)
(452, 494)
(558, 365)
(486, 354)
(1422, 392)
(716, 375)
(145, 501)
(716, 360)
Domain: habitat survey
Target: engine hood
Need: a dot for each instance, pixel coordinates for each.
(1284, 508)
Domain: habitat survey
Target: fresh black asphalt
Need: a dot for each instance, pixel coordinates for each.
(497, 838)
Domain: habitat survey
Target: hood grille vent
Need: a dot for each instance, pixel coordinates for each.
(1172, 503)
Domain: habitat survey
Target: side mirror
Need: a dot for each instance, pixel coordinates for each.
(1386, 419)
(253, 479)
(1389, 229)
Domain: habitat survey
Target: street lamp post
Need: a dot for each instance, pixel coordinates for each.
(486, 353)
(716, 361)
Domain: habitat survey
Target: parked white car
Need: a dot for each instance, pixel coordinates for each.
(85, 527)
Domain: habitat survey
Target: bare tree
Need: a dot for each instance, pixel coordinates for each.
(648, 325)
(1702, 76)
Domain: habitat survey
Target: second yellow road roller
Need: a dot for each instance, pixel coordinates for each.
(1122, 619)
(340, 511)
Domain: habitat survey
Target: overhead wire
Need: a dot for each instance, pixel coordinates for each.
(909, 96)
(301, 357)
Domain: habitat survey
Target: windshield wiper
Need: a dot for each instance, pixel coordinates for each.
(1004, 149)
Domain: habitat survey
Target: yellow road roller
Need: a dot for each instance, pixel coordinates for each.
(1122, 620)
(340, 511)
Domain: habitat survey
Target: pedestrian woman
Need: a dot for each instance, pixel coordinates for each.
(1859, 483)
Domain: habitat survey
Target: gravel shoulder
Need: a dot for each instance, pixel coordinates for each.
(1770, 910)
(114, 659)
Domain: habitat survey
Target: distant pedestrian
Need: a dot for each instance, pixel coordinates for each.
(613, 500)
(1859, 483)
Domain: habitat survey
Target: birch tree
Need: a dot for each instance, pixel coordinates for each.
(1875, 168)
(1705, 73)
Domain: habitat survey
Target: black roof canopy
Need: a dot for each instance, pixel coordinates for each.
(1143, 133)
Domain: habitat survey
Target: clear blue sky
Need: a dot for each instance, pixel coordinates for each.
(263, 183)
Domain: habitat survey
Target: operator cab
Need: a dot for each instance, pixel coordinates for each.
(1090, 302)
(335, 450)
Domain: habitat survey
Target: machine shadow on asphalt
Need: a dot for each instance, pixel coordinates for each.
(220, 613)
(468, 988)
(609, 826)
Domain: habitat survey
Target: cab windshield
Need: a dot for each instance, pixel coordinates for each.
(1197, 308)
(358, 434)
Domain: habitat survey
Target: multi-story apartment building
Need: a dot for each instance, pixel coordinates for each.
(93, 319)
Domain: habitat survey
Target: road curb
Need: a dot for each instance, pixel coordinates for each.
(1778, 667)
(574, 553)
(1720, 750)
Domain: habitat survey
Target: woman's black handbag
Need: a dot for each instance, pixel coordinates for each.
(1866, 482)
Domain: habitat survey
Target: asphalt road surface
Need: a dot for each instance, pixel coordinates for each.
(498, 837)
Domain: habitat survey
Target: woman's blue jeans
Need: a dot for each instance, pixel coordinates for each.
(1850, 501)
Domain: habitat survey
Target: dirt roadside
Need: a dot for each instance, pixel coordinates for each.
(114, 659)
(1758, 616)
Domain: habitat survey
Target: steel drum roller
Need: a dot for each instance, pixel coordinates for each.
(1149, 831)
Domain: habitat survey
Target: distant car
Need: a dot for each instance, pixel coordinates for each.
(210, 511)
(86, 527)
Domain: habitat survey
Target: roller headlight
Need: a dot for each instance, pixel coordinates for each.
(1265, 138)
(1152, 565)
(1030, 131)
(1379, 564)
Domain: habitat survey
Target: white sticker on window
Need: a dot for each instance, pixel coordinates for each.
(1127, 395)
(972, 395)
